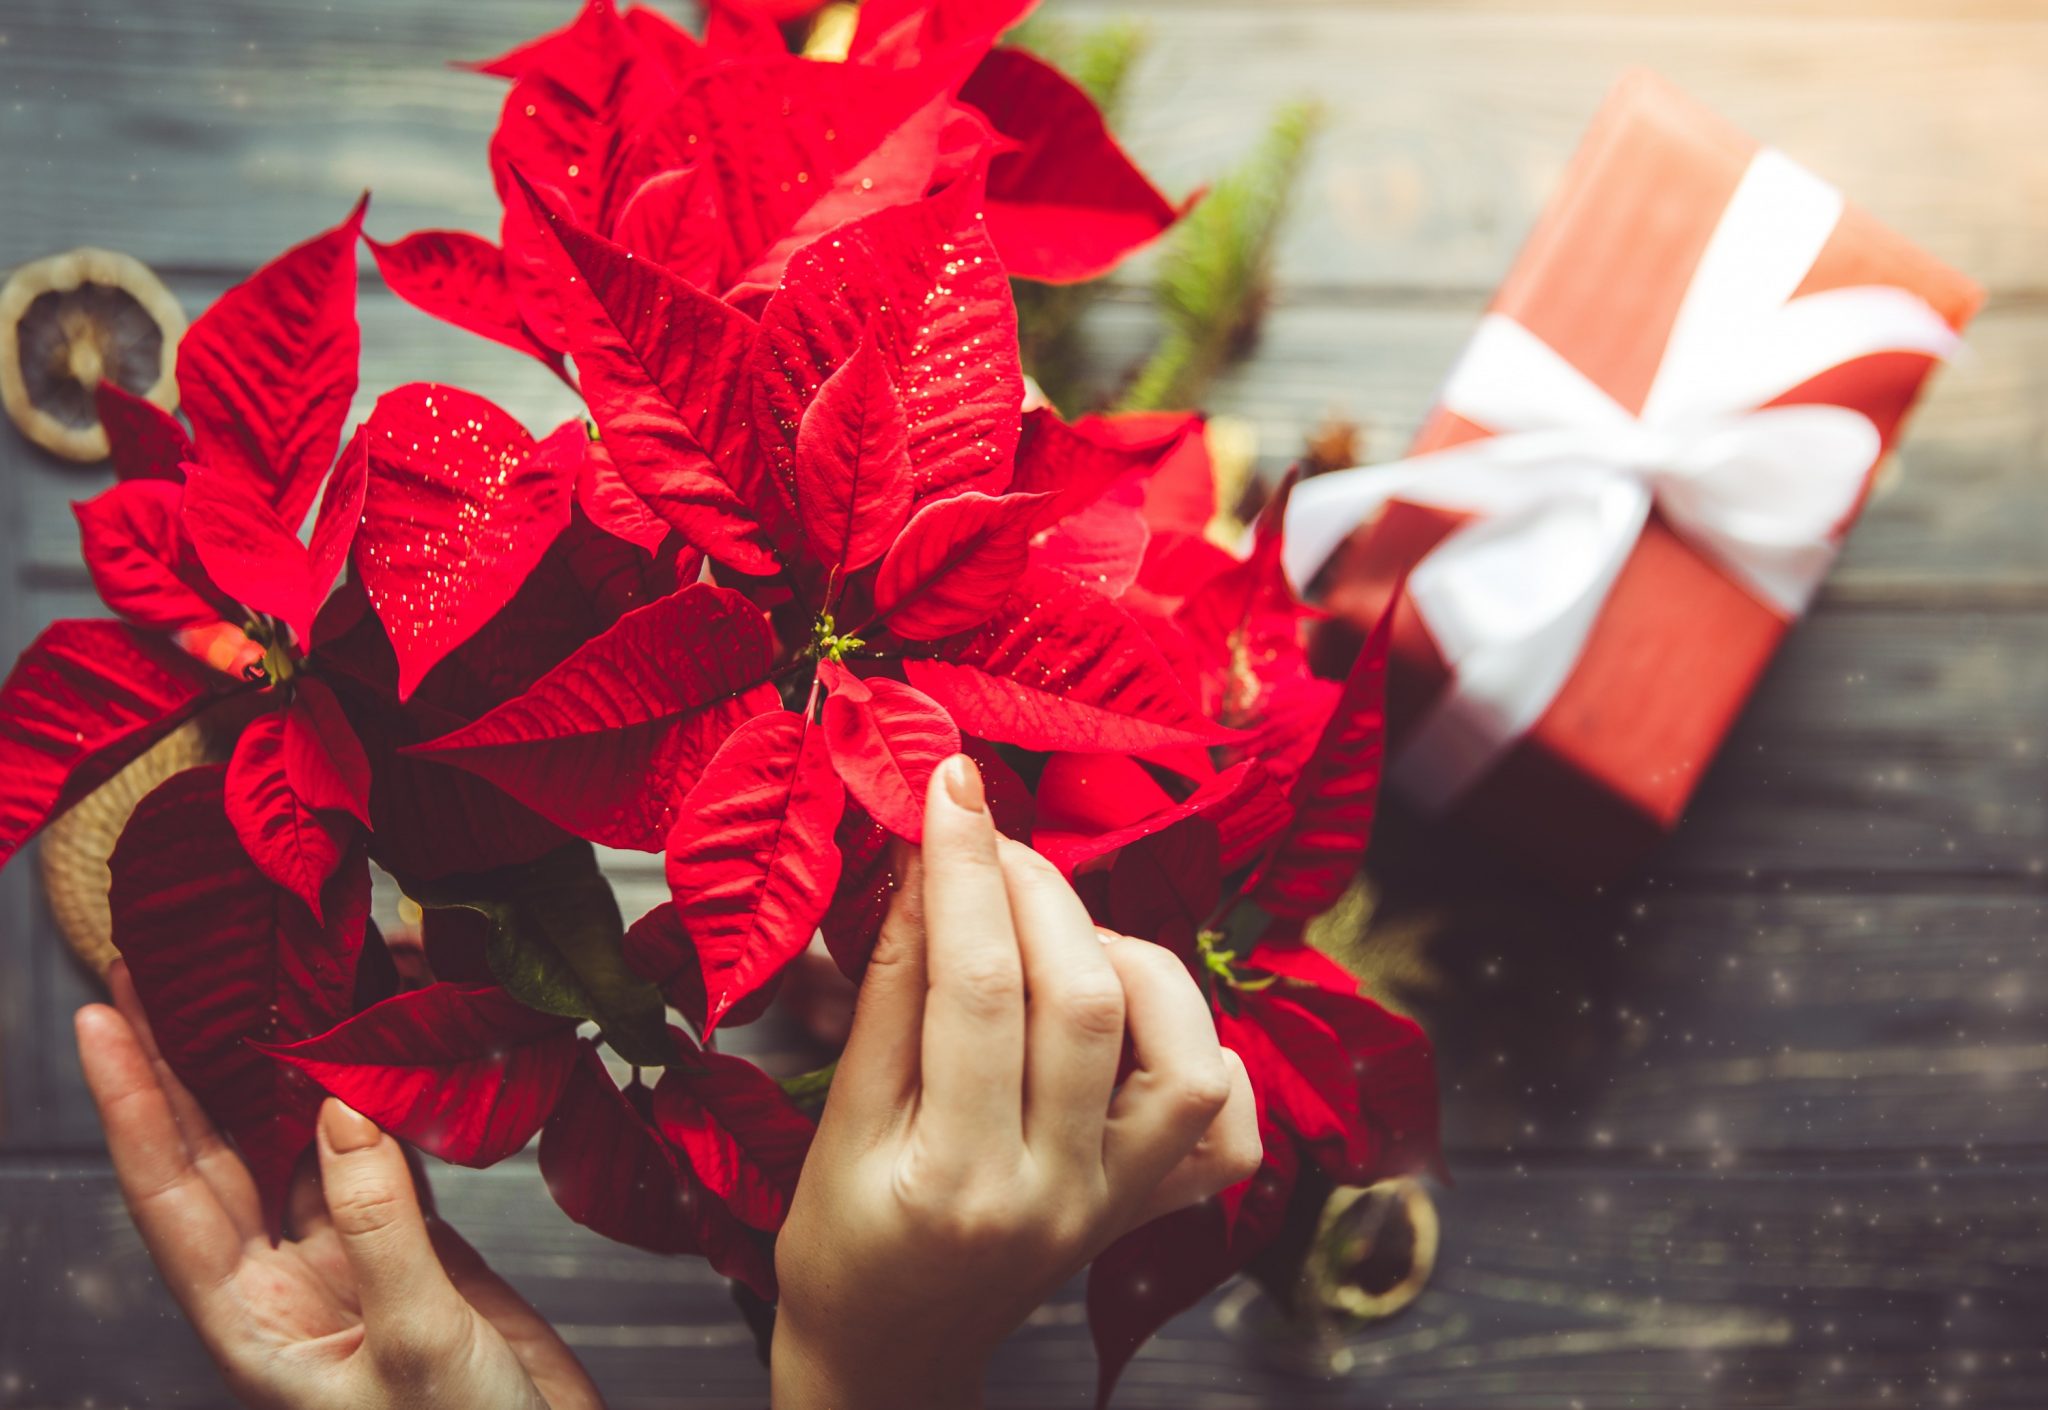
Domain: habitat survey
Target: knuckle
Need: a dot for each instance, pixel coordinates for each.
(1158, 964)
(1240, 1158)
(969, 1213)
(1201, 1091)
(365, 1207)
(1093, 1004)
(989, 984)
(975, 1220)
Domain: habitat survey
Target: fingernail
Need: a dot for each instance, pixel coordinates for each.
(1107, 937)
(963, 782)
(346, 1128)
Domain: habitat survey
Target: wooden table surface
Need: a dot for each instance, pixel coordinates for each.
(1763, 1128)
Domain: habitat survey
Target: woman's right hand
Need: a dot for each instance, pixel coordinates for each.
(977, 1148)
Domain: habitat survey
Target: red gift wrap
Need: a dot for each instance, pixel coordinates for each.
(1678, 644)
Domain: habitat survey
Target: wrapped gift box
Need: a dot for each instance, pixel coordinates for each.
(1675, 273)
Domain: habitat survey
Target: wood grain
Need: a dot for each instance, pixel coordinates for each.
(1765, 1287)
(1446, 128)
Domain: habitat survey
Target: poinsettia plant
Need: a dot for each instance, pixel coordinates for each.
(808, 543)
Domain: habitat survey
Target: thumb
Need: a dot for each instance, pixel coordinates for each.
(413, 1318)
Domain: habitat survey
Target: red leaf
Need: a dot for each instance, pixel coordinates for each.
(1065, 203)
(1102, 546)
(580, 52)
(145, 441)
(324, 762)
(853, 488)
(885, 739)
(1345, 1054)
(465, 1072)
(788, 148)
(291, 843)
(867, 887)
(460, 507)
(1060, 667)
(1165, 886)
(84, 699)
(1241, 803)
(922, 282)
(954, 563)
(341, 512)
(674, 220)
(1090, 793)
(1336, 794)
(913, 33)
(1077, 464)
(752, 861)
(459, 278)
(431, 821)
(267, 374)
(934, 141)
(607, 742)
(221, 957)
(743, 1136)
(1159, 1270)
(1009, 799)
(252, 554)
(610, 1170)
(140, 559)
(660, 363)
(610, 503)
(655, 943)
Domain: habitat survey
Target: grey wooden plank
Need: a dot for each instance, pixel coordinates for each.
(1446, 129)
(1726, 1028)
(1568, 1284)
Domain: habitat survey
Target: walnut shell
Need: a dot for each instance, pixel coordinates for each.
(69, 321)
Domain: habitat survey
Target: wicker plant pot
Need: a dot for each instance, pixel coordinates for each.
(75, 848)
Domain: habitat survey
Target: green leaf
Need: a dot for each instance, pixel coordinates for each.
(809, 1089)
(555, 946)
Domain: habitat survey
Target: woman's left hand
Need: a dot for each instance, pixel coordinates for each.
(366, 1304)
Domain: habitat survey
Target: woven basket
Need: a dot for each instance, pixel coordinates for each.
(75, 848)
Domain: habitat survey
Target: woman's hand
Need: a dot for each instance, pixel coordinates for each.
(367, 1306)
(977, 1148)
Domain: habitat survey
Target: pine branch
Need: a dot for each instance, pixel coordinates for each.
(1215, 276)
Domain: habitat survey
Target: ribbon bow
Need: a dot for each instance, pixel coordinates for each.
(1562, 489)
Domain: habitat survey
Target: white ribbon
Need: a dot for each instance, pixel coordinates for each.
(1562, 489)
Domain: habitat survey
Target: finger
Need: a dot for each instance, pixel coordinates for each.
(972, 1070)
(1228, 1153)
(188, 1234)
(216, 1161)
(1181, 1082)
(1074, 1015)
(538, 1346)
(877, 1073)
(412, 1316)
